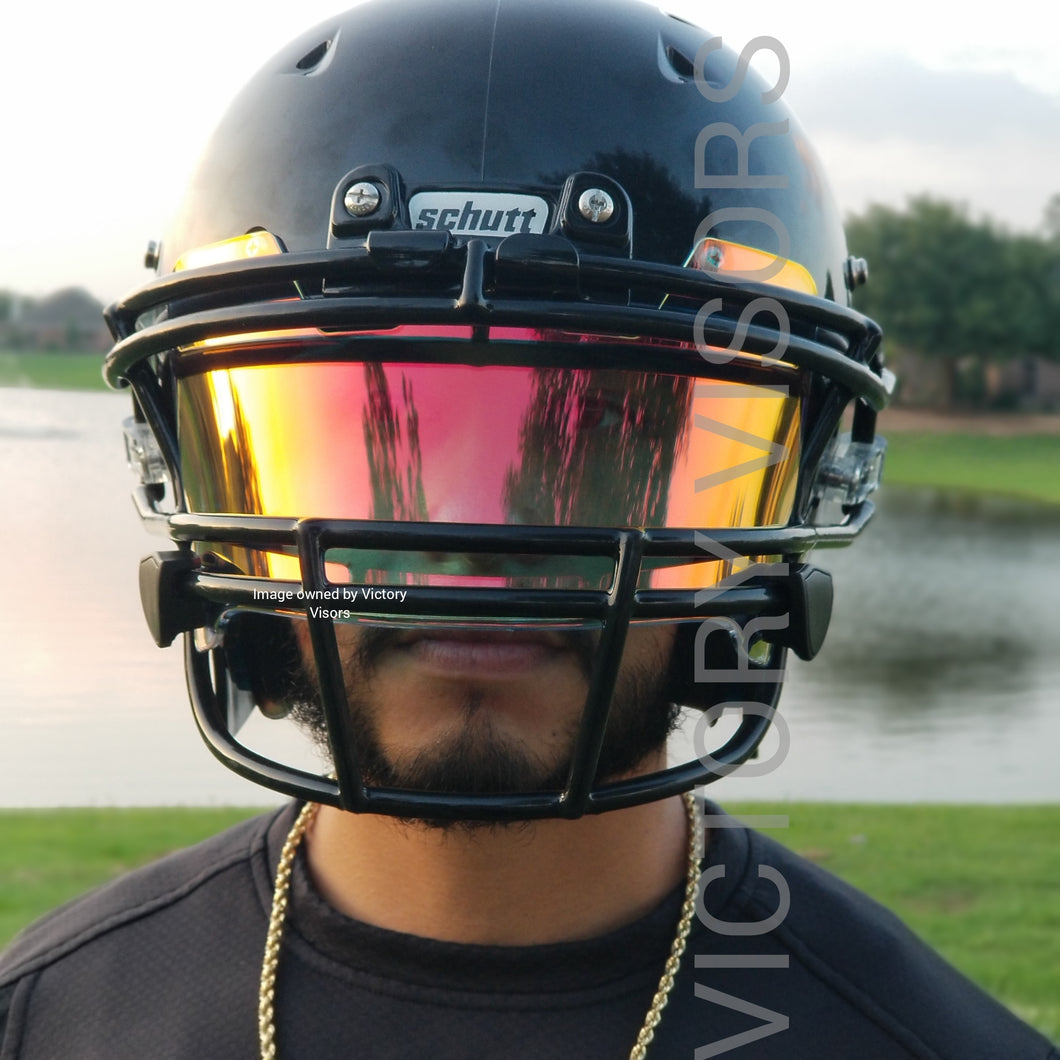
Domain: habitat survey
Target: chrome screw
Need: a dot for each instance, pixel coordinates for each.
(596, 205)
(857, 272)
(362, 198)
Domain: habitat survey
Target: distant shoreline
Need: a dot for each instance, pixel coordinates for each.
(989, 424)
(42, 370)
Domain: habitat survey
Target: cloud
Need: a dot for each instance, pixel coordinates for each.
(888, 128)
(894, 95)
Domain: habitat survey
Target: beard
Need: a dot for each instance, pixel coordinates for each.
(473, 757)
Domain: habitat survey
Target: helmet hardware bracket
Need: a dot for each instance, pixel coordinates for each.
(615, 234)
(168, 605)
(388, 213)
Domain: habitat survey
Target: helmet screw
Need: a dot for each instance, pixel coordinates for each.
(362, 198)
(856, 272)
(596, 205)
(152, 254)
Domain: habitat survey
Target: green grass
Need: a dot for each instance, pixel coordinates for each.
(1026, 466)
(49, 856)
(54, 371)
(979, 883)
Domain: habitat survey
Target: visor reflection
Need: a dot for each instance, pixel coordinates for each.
(506, 444)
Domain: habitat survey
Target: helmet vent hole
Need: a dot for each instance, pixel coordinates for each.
(312, 59)
(681, 64)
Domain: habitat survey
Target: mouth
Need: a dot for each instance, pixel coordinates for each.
(483, 654)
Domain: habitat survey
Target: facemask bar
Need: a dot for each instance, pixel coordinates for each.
(611, 611)
(450, 279)
(447, 281)
(194, 595)
(525, 281)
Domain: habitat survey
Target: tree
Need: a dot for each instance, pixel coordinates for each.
(1051, 218)
(956, 290)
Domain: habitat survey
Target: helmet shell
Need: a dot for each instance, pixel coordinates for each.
(504, 94)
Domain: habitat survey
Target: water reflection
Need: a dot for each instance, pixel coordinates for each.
(948, 604)
(939, 677)
(938, 680)
(91, 712)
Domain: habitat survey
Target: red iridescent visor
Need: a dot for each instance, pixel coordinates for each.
(406, 427)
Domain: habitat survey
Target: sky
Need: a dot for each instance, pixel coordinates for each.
(107, 105)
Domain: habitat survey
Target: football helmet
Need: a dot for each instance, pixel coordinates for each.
(502, 316)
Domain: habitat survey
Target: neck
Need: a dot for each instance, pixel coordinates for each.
(527, 884)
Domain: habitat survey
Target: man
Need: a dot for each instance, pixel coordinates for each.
(491, 391)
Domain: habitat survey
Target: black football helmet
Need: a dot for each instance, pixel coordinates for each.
(499, 314)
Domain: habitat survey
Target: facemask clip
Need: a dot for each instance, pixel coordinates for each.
(850, 471)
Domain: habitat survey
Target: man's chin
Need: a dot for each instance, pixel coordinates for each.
(475, 760)
(467, 765)
(484, 737)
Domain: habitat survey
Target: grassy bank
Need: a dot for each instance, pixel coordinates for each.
(979, 883)
(1024, 465)
(48, 856)
(54, 371)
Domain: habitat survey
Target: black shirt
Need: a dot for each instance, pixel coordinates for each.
(784, 961)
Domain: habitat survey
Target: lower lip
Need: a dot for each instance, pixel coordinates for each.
(481, 657)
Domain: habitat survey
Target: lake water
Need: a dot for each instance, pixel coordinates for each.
(939, 680)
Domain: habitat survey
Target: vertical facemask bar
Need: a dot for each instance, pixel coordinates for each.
(348, 769)
(586, 753)
(614, 619)
(208, 709)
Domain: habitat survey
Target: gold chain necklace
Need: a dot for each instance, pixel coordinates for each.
(281, 894)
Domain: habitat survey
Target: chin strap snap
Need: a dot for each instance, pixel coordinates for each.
(169, 608)
(810, 599)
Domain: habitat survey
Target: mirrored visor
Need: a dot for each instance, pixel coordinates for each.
(562, 441)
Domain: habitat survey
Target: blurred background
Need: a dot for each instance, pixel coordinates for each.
(942, 136)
